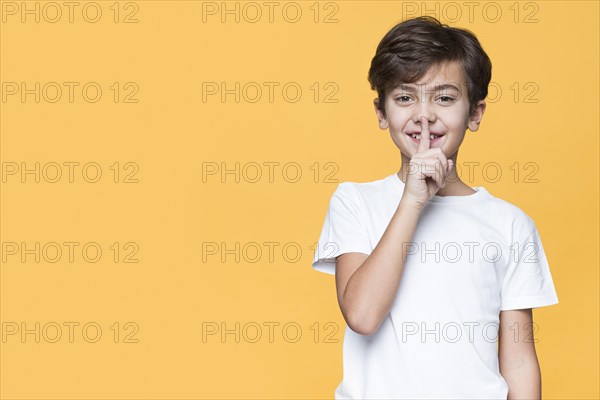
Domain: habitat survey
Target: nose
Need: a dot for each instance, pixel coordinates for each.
(423, 110)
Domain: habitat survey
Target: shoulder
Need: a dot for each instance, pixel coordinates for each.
(360, 195)
(345, 191)
(345, 197)
(364, 189)
(515, 219)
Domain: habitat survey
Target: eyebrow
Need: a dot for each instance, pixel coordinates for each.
(409, 88)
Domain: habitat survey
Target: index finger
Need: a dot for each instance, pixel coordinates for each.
(424, 142)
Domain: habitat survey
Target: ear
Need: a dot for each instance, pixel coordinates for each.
(475, 118)
(383, 124)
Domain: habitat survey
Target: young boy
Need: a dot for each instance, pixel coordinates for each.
(436, 280)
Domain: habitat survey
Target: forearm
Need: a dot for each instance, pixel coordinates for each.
(524, 381)
(371, 290)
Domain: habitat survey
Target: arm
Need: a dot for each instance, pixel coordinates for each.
(366, 294)
(518, 360)
(367, 285)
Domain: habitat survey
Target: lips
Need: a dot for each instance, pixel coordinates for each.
(418, 133)
(432, 139)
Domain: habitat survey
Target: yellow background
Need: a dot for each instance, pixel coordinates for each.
(170, 132)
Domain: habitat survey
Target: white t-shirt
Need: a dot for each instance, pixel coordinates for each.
(471, 257)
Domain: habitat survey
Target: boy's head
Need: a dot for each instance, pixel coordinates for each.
(413, 60)
(408, 51)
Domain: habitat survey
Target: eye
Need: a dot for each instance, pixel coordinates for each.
(448, 99)
(399, 98)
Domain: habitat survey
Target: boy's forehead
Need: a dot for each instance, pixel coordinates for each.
(448, 76)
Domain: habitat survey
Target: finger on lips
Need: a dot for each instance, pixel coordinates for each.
(424, 142)
(442, 166)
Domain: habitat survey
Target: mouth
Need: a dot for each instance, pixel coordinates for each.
(433, 139)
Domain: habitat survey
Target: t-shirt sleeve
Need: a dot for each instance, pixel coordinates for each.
(344, 229)
(528, 282)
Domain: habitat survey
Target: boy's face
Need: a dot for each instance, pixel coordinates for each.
(442, 96)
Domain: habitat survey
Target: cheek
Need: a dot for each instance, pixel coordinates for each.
(398, 120)
(453, 122)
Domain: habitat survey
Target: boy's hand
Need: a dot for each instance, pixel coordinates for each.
(428, 170)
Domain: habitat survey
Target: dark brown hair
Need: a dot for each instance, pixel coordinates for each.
(411, 47)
